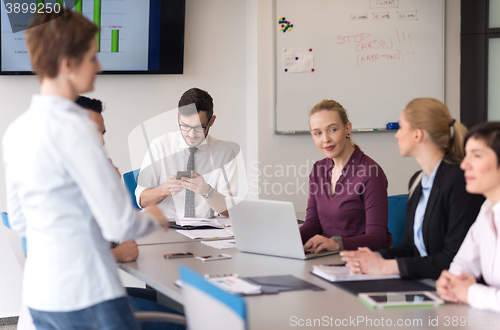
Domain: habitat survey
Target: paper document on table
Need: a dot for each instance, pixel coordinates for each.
(199, 222)
(207, 233)
(224, 244)
(335, 273)
(235, 284)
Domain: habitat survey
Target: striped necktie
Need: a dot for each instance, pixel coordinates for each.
(189, 206)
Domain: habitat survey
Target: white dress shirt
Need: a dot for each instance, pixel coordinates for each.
(64, 195)
(479, 255)
(169, 153)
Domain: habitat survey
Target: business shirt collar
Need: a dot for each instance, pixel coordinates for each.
(491, 213)
(488, 206)
(201, 147)
(427, 181)
(57, 103)
(495, 208)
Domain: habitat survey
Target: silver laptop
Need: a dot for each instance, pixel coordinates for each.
(267, 227)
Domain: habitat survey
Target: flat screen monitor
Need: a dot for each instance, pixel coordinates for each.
(136, 36)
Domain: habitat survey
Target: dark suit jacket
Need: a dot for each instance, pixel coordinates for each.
(450, 212)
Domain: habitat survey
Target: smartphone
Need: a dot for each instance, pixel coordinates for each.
(178, 255)
(183, 174)
(214, 257)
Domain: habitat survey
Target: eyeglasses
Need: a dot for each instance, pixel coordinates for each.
(197, 129)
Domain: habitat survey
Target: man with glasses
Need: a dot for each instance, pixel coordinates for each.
(210, 165)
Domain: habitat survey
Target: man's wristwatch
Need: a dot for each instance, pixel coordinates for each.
(337, 239)
(210, 192)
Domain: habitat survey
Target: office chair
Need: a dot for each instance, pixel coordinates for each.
(208, 307)
(160, 317)
(397, 217)
(130, 179)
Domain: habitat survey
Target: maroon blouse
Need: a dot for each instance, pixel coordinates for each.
(358, 211)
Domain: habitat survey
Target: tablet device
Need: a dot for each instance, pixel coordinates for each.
(214, 257)
(178, 255)
(400, 299)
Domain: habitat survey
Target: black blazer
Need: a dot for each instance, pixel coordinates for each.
(450, 212)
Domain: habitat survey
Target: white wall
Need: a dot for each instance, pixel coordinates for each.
(15, 93)
(299, 152)
(228, 51)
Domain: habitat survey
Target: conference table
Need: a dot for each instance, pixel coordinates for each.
(332, 307)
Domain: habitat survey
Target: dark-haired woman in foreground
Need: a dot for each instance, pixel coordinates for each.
(479, 254)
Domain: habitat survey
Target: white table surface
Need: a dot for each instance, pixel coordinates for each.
(288, 310)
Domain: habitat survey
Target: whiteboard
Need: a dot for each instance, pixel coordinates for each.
(372, 56)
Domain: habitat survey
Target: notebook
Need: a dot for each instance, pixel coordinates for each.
(334, 273)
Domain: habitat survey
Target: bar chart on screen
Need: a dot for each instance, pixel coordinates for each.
(122, 41)
(135, 36)
(124, 31)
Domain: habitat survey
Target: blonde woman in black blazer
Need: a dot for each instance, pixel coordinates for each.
(430, 135)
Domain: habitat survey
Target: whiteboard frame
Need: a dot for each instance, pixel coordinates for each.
(365, 130)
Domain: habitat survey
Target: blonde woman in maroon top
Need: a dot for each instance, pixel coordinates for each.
(347, 206)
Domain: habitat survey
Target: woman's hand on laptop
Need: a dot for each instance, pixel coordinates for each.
(320, 243)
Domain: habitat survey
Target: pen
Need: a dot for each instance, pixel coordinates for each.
(207, 276)
(196, 220)
(336, 265)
